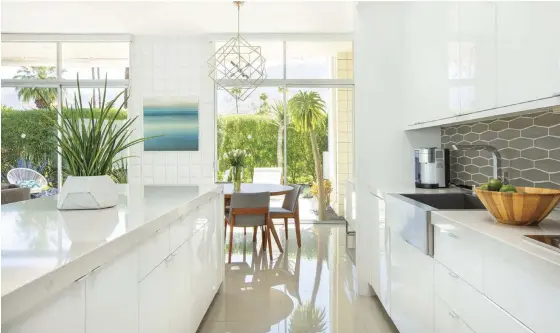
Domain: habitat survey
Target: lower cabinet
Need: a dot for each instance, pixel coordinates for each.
(412, 291)
(112, 296)
(447, 321)
(476, 310)
(153, 300)
(65, 314)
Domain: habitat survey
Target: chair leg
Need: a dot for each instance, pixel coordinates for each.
(286, 227)
(230, 242)
(263, 237)
(244, 231)
(298, 231)
(255, 234)
(269, 231)
(225, 229)
(274, 234)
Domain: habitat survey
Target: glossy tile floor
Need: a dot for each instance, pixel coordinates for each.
(307, 290)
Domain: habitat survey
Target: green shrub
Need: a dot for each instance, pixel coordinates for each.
(31, 136)
(257, 134)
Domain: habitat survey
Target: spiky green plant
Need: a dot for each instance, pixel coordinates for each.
(120, 172)
(90, 145)
(308, 319)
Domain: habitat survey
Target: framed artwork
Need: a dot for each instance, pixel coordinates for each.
(174, 121)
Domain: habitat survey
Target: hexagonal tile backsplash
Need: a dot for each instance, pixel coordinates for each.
(529, 145)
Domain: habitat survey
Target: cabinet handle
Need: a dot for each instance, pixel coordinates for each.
(453, 275)
(452, 235)
(453, 315)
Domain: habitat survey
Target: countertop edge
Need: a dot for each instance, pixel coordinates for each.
(26, 297)
(522, 245)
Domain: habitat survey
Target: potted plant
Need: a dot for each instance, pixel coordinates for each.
(92, 143)
(236, 161)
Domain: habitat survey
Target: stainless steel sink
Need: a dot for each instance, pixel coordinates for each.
(449, 201)
(409, 215)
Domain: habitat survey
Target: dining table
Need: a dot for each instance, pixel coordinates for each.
(273, 189)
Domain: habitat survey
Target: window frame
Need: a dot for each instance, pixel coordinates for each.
(59, 82)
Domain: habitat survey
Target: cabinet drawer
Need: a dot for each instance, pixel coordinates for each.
(447, 321)
(181, 230)
(477, 311)
(152, 252)
(459, 249)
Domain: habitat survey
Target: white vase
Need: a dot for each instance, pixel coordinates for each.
(92, 192)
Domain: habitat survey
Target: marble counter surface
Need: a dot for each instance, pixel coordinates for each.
(482, 222)
(43, 247)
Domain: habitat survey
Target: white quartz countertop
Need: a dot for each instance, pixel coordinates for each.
(483, 222)
(42, 246)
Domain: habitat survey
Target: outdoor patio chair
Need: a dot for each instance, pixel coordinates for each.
(17, 175)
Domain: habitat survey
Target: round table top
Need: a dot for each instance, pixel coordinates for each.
(274, 189)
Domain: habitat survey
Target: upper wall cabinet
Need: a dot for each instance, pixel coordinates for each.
(474, 79)
(528, 45)
(431, 60)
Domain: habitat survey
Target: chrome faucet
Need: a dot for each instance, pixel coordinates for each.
(496, 157)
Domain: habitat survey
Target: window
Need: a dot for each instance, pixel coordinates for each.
(32, 86)
(319, 60)
(263, 124)
(29, 61)
(94, 61)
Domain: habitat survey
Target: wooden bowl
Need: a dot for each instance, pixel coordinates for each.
(528, 206)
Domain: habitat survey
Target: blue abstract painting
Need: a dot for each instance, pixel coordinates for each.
(175, 120)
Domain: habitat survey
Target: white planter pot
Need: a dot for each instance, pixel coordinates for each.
(94, 192)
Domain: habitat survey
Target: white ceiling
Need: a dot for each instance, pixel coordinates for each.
(180, 17)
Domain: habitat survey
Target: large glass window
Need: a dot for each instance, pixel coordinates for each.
(268, 123)
(33, 88)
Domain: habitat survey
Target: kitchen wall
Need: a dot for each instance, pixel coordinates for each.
(529, 145)
(172, 66)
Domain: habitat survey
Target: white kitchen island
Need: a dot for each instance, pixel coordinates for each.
(152, 264)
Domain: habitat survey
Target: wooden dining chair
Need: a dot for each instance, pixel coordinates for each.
(251, 210)
(289, 209)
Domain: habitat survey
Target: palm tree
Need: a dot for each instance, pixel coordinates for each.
(236, 92)
(307, 111)
(264, 107)
(277, 116)
(43, 97)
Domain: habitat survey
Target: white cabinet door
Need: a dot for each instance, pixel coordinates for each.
(179, 284)
(528, 50)
(112, 297)
(476, 46)
(198, 280)
(412, 291)
(153, 301)
(447, 321)
(65, 314)
(431, 65)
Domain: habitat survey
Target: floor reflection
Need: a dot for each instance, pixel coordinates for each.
(312, 289)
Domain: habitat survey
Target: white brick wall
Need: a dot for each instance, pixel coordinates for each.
(172, 66)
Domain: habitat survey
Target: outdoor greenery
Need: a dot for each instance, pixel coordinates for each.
(254, 133)
(29, 137)
(307, 111)
(42, 97)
